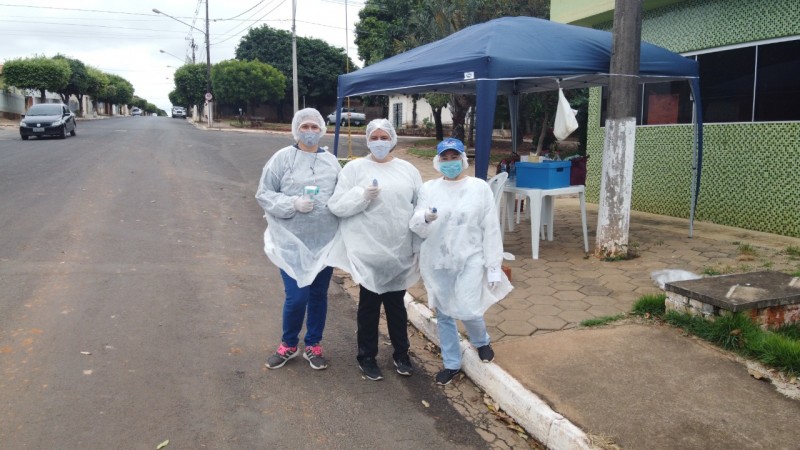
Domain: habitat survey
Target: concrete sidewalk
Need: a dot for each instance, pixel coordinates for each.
(629, 385)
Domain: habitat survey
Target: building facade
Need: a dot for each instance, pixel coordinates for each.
(749, 58)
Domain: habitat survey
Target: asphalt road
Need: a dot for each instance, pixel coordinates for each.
(136, 306)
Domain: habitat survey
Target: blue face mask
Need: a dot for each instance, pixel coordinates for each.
(450, 169)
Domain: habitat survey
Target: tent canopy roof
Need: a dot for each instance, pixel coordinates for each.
(523, 54)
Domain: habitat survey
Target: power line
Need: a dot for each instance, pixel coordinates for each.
(253, 22)
(241, 14)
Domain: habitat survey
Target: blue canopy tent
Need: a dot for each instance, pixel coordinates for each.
(513, 55)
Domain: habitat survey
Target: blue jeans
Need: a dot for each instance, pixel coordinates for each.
(311, 299)
(448, 338)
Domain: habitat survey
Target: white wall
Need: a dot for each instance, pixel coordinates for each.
(406, 105)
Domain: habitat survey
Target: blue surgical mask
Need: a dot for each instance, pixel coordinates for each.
(451, 169)
(380, 149)
(309, 138)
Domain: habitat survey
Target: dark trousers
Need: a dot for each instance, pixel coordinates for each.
(369, 316)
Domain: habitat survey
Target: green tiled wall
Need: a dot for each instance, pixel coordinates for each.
(751, 171)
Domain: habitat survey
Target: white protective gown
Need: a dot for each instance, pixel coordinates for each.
(295, 242)
(459, 246)
(377, 248)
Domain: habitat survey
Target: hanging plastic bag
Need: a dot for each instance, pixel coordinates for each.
(565, 122)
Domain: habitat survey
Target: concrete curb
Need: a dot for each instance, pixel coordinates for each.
(532, 413)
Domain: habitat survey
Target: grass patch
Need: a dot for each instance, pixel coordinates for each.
(602, 320)
(778, 348)
(792, 252)
(650, 305)
(747, 249)
(426, 148)
(790, 331)
(738, 333)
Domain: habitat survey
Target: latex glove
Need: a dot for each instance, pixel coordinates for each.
(493, 276)
(371, 192)
(303, 204)
(431, 215)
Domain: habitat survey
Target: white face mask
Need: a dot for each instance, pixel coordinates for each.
(380, 149)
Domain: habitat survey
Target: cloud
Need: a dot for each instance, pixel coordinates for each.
(124, 37)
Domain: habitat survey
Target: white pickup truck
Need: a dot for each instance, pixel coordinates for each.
(348, 114)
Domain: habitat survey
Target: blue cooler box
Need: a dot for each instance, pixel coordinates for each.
(543, 175)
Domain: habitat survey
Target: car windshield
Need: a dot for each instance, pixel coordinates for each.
(44, 110)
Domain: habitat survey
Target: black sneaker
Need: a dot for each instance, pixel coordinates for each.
(485, 353)
(446, 376)
(370, 368)
(281, 356)
(403, 365)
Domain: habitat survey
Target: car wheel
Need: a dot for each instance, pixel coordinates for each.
(63, 134)
(24, 138)
(72, 133)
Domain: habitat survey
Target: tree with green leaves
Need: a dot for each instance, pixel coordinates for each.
(97, 83)
(318, 64)
(37, 73)
(78, 81)
(119, 91)
(247, 83)
(438, 102)
(190, 85)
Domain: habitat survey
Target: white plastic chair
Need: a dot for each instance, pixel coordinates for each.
(496, 183)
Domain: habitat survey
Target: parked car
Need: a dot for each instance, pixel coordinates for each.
(348, 114)
(136, 111)
(179, 112)
(47, 119)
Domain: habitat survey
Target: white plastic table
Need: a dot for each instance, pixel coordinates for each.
(540, 205)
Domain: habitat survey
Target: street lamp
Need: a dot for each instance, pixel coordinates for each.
(208, 57)
(170, 54)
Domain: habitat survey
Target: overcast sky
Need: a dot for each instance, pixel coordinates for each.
(124, 37)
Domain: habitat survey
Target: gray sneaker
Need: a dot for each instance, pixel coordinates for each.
(281, 356)
(370, 368)
(313, 355)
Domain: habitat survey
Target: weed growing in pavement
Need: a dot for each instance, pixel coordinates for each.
(747, 252)
(721, 270)
(793, 252)
(596, 322)
(651, 305)
(796, 273)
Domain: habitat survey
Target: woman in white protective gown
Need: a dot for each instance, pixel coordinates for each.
(461, 254)
(294, 189)
(375, 198)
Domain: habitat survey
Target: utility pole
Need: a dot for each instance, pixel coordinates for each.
(194, 47)
(208, 72)
(294, 58)
(614, 212)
